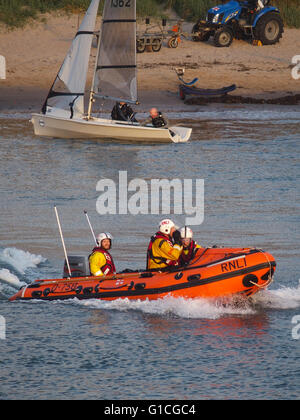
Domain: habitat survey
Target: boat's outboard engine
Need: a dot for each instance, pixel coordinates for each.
(79, 265)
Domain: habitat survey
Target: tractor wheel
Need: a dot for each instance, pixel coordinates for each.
(269, 29)
(223, 37)
(156, 45)
(173, 42)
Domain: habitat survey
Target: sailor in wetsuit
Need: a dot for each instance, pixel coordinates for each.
(123, 112)
(157, 119)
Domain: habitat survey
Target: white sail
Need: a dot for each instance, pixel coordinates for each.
(115, 73)
(67, 91)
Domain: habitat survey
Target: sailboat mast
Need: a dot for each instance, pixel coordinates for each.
(93, 81)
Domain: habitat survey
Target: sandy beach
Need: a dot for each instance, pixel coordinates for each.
(34, 54)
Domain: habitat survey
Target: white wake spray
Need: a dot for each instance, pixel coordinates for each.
(20, 260)
(9, 278)
(282, 298)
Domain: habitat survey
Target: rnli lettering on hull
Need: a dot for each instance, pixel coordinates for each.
(235, 264)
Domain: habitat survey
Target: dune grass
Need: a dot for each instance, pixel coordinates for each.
(290, 12)
(193, 9)
(16, 13)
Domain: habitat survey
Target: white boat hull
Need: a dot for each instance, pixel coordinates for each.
(100, 128)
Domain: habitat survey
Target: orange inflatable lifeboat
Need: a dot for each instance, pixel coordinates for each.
(213, 273)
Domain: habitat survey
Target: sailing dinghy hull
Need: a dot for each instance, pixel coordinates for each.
(100, 128)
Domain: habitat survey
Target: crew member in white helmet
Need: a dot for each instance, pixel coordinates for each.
(189, 246)
(165, 246)
(101, 262)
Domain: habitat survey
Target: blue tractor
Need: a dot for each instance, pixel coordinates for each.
(248, 19)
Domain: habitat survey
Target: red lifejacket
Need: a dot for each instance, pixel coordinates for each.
(159, 260)
(109, 267)
(185, 258)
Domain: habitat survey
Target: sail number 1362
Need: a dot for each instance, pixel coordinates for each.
(120, 3)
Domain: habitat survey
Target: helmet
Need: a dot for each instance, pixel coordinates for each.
(166, 225)
(103, 235)
(186, 233)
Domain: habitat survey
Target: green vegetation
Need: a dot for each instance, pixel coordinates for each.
(15, 13)
(146, 8)
(193, 9)
(290, 12)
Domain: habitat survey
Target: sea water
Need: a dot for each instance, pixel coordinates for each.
(166, 349)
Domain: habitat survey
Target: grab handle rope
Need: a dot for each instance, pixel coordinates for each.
(270, 277)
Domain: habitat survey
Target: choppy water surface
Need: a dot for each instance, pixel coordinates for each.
(167, 349)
